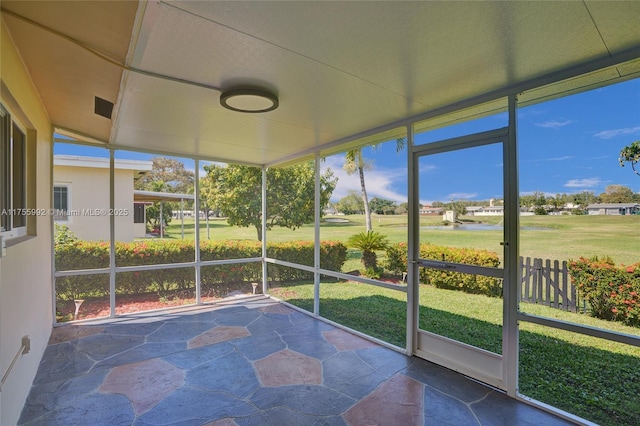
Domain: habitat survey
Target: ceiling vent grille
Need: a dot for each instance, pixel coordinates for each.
(103, 107)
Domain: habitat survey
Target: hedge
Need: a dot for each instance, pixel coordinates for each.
(470, 283)
(77, 255)
(613, 292)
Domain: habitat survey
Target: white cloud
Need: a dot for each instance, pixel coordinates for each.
(424, 168)
(545, 193)
(609, 134)
(554, 124)
(566, 157)
(379, 182)
(584, 183)
(563, 158)
(461, 195)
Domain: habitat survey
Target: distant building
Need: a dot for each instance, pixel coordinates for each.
(431, 211)
(449, 216)
(613, 209)
(490, 211)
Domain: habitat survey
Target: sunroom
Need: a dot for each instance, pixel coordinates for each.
(277, 90)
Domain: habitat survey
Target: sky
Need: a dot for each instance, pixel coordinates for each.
(567, 145)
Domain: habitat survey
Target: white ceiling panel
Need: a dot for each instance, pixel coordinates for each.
(411, 48)
(340, 69)
(617, 22)
(49, 36)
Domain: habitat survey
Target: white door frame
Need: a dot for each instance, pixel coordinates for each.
(497, 370)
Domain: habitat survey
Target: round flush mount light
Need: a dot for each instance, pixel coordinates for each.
(249, 100)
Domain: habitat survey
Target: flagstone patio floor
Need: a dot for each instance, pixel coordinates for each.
(250, 361)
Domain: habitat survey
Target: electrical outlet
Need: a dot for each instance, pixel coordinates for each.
(26, 344)
(3, 247)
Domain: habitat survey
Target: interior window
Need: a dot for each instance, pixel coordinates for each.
(13, 177)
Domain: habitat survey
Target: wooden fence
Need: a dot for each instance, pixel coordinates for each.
(548, 283)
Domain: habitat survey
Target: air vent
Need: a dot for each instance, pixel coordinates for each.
(103, 107)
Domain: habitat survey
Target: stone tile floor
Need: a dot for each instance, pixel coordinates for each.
(249, 362)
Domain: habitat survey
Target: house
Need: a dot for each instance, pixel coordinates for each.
(486, 211)
(431, 211)
(270, 84)
(613, 209)
(81, 197)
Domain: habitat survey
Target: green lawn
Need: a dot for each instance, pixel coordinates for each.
(564, 237)
(593, 378)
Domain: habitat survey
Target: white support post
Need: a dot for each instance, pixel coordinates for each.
(112, 236)
(413, 239)
(316, 247)
(196, 207)
(54, 319)
(264, 231)
(510, 339)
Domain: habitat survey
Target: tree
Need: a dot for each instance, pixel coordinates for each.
(403, 208)
(355, 162)
(382, 206)
(152, 212)
(631, 154)
(457, 206)
(205, 205)
(166, 175)
(539, 199)
(236, 190)
(526, 200)
(350, 204)
(617, 194)
(584, 198)
(169, 171)
(558, 201)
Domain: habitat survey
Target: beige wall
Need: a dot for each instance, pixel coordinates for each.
(89, 190)
(25, 272)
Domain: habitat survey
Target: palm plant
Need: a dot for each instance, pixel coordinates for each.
(631, 154)
(368, 242)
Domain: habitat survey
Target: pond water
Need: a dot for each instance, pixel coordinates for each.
(481, 227)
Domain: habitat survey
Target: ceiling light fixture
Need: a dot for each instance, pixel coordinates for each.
(249, 100)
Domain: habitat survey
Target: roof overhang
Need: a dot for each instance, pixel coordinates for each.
(139, 166)
(151, 196)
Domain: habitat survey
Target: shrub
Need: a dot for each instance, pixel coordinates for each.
(396, 260)
(63, 235)
(75, 255)
(469, 283)
(333, 254)
(613, 292)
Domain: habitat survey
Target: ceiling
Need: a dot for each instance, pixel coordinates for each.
(340, 69)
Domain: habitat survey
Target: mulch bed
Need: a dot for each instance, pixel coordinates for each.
(125, 304)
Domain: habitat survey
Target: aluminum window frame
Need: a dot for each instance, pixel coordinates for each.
(9, 183)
